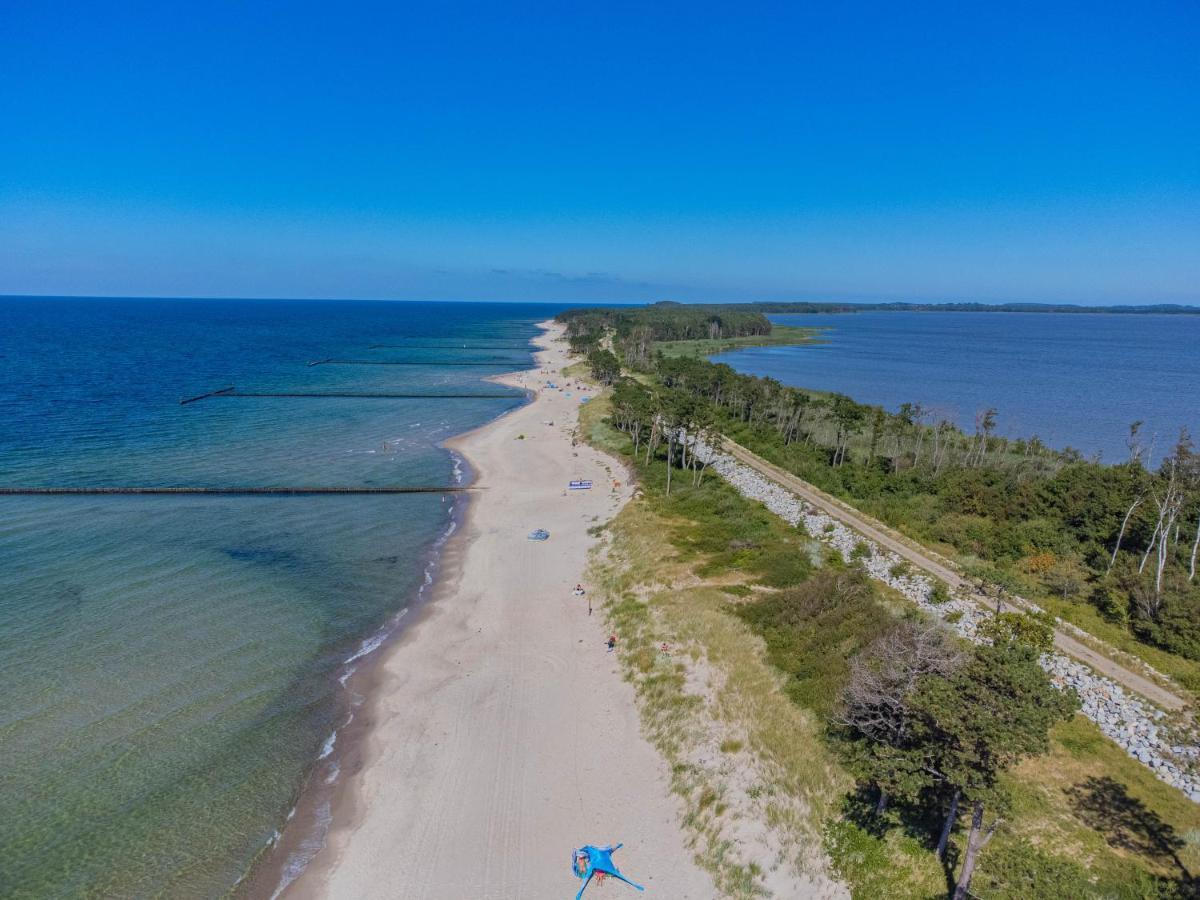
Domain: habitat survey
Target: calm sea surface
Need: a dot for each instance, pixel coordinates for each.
(171, 666)
(1072, 379)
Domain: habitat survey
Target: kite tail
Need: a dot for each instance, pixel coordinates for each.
(586, 882)
(626, 880)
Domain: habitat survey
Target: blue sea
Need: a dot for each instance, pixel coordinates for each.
(176, 669)
(1072, 379)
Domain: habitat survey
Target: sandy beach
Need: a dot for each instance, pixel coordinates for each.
(502, 734)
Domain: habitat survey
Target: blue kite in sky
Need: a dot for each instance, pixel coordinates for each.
(587, 861)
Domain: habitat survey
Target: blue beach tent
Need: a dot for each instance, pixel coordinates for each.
(586, 861)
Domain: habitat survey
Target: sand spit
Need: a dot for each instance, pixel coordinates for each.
(502, 734)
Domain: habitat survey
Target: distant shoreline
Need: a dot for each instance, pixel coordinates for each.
(1162, 309)
(774, 307)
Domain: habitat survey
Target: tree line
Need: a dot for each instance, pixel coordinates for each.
(1124, 538)
(923, 719)
(635, 330)
(927, 723)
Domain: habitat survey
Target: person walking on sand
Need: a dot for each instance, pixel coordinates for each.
(611, 643)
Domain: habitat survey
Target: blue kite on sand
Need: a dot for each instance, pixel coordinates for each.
(587, 861)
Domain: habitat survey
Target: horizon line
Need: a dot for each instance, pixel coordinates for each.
(997, 304)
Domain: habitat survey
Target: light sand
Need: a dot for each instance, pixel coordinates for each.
(503, 733)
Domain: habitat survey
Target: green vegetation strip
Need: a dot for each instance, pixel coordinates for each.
(1111, 549)
(733, 594)
(779, 336)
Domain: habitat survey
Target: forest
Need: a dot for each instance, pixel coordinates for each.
(1119, 541)
(634, 330)
(934, 766)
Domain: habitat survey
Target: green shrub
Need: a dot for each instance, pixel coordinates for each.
(1111, 602)
(1016, 870)
(813, 629)
(895, 867)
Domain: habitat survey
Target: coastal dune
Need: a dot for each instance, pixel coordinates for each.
(502, 733)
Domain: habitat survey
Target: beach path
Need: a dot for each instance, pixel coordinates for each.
(503, 735)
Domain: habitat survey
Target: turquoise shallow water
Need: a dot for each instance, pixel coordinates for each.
(171, 665)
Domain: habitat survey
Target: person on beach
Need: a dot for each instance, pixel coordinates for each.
(611, 643)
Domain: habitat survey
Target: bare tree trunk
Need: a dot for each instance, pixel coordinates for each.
(975, 843)
(1195, 544)
(1164, 552)
(881, 805)
(1150, 546)
(670, 453)
(1112, 562)
(705, 458)
(944, 838)
(1162, 561)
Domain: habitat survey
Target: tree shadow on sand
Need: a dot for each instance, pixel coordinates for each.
(1106, 805)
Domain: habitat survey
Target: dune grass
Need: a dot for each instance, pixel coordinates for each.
(743, 729)
(742, 755)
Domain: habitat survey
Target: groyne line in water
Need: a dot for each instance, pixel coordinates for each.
(230, 392)
(394, 362)
(516, 349)
(229, 491)
(224, 390)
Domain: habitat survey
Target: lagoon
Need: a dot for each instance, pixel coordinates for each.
(1072, 379)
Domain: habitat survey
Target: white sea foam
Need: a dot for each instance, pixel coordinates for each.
(299, 859)
(327, 747)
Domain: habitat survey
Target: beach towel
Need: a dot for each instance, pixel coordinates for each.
(587, 860)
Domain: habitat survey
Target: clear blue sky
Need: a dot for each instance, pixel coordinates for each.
(602, 151)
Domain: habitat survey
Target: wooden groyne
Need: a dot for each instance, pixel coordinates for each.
(500, 361)
(492, 396)
(515, 348)
(221, 392)
(225, 491)
(350, 395)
